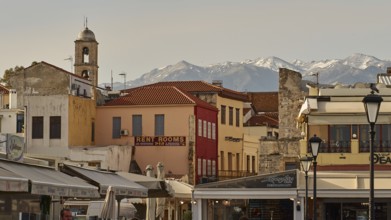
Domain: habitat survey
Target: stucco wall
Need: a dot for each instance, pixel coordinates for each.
(40, 79)
(46, 106)
(81, 115)
(175, 158)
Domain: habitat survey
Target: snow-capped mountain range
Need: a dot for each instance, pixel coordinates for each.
(261, 74)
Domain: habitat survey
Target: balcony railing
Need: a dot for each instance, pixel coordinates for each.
(232, 174)
(334, 147)
(379, 146)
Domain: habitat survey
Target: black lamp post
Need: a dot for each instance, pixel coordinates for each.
(305, 165)
(315, 143)
(372, 105)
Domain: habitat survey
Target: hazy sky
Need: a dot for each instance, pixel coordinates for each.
(138, 36)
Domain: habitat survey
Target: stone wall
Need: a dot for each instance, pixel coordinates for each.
(275, 155)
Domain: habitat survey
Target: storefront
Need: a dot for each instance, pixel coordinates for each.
(271, 196)
(340, 195)
(30, 191)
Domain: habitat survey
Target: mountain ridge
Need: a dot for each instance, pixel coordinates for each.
(261, 74)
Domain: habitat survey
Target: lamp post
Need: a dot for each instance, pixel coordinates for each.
(315, 144)
(124, 75)
(305, 165)
(372, 105)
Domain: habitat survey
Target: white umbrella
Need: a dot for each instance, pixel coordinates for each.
(161, 202)
(151, 202)
(108, 209)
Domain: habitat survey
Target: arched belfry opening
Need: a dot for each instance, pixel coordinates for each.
(86, 53)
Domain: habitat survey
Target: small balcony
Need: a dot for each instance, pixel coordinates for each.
(334, 147)
(379, 146)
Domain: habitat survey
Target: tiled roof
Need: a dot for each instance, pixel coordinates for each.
(3, 90)
(158, 95)
(56, 67)
(264, 101)
(263, 120)
(201, 87)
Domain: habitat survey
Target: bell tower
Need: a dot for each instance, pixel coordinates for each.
(86, 57)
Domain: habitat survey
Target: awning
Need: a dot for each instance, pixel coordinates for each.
(103, 179)
(48, 181)
(156, 187)
(281, 185)
(11, 182)
(180, 189)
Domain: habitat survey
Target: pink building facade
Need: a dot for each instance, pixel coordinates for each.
(163, 124)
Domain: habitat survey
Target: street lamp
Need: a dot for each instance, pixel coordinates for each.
(372, 105)
(124, 75)
(305, 165)
(315, 144)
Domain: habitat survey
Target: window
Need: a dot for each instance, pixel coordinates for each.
(19, 123)
(199, 166)
(209, 130)
(159, 125)
(116, 127)
(237, 117)
(55, 127)
(230, 161)
(204, 167)
(209, 167)
(37, 127)
(93, 131)
(223, 112)
(253, 164)
(205, 129)
(248, 163)
(214, 131)
(340, 136)
(291, 166)
(137, 125)
(222, 167)
(199, 127)
(213, 168)
(231, 116)
(237, 161)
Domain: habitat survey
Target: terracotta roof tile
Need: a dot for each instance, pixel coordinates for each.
(158, 95)
(201, 87)
(3, 90)
(264, 101)
(262, 120)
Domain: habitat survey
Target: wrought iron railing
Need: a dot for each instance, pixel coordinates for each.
(378, 146)
(334, 147)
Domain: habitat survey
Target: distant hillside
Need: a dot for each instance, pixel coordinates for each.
(262, 74)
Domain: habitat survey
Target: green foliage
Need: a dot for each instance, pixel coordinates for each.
(8, 74)
(188, 215)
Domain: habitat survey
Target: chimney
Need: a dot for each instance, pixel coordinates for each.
(389, 71)
(12, 99)
(218, 83)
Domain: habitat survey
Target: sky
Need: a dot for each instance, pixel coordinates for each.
(137, 36)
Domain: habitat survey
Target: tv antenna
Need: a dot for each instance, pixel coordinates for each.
(317, 78)
(70, 58)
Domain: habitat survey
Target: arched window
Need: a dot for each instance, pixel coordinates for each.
(85, 74)
(86, 54)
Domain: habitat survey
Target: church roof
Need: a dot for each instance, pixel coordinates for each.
(86, 35)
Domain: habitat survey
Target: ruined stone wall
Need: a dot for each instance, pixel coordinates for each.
(274, 155)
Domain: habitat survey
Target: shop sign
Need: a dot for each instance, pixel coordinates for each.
(287, 180)
(160, 141)
(382, 158)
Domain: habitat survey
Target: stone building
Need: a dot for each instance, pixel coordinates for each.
(282, 153)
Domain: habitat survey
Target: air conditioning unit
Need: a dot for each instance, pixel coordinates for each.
(124, 132)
